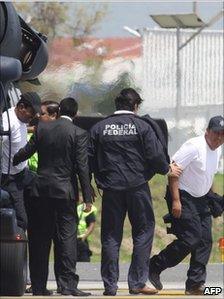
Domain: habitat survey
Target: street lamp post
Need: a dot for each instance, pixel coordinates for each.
(132, 31)
(178, 77)
(179, 21)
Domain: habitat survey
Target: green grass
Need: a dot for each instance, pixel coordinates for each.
(218, 184)
(217, 228)
(161, 239)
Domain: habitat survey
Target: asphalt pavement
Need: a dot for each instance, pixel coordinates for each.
(176, 275)
(173, 281)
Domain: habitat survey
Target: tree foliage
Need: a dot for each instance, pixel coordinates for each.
(86, 20)
(106, 105)
(45, 17)
(63, 18)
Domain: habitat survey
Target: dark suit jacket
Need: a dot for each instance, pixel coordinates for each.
(62, 153)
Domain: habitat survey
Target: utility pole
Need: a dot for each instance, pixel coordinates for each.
(195, 7)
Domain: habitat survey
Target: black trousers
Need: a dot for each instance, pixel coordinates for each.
(56, 242)
(194, 236)
(137, 203)
(15, 185)
(57, 260)
(83, 251)
(47, 216)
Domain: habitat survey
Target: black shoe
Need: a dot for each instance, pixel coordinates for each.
(58, 291)
(109, 293)
(45, 292)
(75, 292)
(198, 290)
(155, 279)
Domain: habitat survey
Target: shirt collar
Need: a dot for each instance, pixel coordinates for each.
(66, 117)
(123, 111)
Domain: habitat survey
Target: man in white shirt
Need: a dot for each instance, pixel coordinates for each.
(187, 202)
(15, 178)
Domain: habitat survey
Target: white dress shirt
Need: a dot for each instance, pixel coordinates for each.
(199, 164)
(18, 140)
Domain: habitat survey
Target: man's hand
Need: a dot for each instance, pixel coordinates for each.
(87, 207)
(175, 170)
(176, 208)
(82, 237)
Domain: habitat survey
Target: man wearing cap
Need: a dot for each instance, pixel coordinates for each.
(187, 199)
(15, 178)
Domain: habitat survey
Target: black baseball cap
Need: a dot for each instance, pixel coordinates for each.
(216, 123)
(33, 99)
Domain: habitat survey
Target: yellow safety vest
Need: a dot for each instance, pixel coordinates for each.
(82, 227)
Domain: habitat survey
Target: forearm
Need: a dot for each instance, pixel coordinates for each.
(21, 156)
(175, 195)
(89, 230)
(85, 185)
(83, 167)
(174, 188)
(154, 153)
(24, 154)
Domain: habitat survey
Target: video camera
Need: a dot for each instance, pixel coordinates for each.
(23, 51)
(23, 56)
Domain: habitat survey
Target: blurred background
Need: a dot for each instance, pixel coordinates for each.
(98, 48)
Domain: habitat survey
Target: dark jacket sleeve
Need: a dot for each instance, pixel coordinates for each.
(81, 157)
(160, 129)
(154, 153)
(92, 153)
(27, 151)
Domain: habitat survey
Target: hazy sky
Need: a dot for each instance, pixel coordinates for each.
(135, 14)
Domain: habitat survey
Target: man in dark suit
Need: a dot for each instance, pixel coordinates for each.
(62, 153)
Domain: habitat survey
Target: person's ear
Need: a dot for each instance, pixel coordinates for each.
(136, 108)
(53, 115)
(21, 106)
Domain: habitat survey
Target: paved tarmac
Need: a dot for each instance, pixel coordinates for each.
(173, 280)
(176, 275)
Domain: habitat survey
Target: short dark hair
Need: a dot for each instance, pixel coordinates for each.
(127, 99)
(25, 103)
(30, 99)
(68, 106)
(52, 107)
